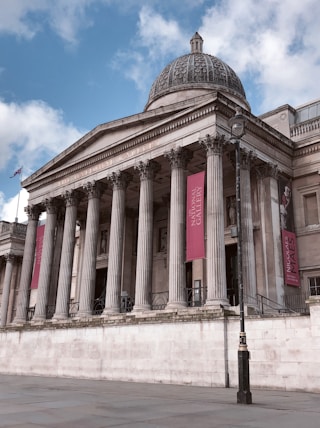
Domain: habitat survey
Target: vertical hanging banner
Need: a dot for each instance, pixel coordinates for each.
(289, 242)
(39, 245)
(290, 258)
(195, 217)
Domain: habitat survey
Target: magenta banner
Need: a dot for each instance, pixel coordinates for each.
(290, 258)
(195, 216)
(36, 269)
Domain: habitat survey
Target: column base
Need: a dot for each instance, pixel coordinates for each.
(141, 308)
(60, 317)
(84, 314)
(176, 305)
(111, 311)
(19, 321)
(38, 319)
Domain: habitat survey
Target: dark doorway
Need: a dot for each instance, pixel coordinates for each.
(232, 274)
(100, 291)
(189, 283)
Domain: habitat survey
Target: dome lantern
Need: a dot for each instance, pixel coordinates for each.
(196, 43)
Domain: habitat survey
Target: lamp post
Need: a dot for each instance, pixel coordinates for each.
(237, 125)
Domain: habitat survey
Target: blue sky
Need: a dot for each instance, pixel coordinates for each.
(69, 65)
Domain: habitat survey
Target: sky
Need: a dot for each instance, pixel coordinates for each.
(67, 66)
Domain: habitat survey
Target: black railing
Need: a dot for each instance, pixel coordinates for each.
(159, 300)
(126, 304)
(73, 309)
(30, 313)
(196, 296)
(98, 306)
(297, 302)
(266, 305)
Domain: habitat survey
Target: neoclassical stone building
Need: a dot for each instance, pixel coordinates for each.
(115, 201)
(134, 274)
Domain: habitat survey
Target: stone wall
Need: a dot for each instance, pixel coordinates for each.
(195, 347)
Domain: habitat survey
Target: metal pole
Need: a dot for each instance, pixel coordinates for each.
(244, 395)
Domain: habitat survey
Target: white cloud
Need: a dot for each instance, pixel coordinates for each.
(13, 206)
(65, 17)
(159, 35)
(156, 39)
(274, 41)
(30, 134)
(32, 131)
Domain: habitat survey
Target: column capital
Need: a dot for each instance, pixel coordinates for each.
(51, 205)
(147, 169)
(178, 157)
(33, 212)
(9, 257)
(247, 159)
(71, 198)
(119, 179)
(213, 144)
(268, 170)
(93, 189)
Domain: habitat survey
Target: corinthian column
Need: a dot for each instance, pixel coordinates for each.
(248, 253)
(88, 275)
(216, 263)
(46, 260)
(119, 183)
(177, 273)
(65, 272)
(6, 288)
(27, 263)
(145, 235)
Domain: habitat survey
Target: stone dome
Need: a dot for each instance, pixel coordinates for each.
(195, 72)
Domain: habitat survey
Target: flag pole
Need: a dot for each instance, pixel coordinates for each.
(17, 218)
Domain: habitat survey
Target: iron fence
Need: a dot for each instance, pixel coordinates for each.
(159, 300)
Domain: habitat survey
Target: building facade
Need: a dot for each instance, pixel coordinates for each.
(115, 204)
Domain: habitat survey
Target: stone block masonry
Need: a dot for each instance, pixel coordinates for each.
(190, 346)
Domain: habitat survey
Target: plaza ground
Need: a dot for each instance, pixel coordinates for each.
(43, 402)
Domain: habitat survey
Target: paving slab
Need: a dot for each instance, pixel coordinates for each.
(46, 402)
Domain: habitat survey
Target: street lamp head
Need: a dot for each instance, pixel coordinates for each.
(237, 124)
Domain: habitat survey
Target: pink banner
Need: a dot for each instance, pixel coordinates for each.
(36, 269)
(290, 258)
(195, 215)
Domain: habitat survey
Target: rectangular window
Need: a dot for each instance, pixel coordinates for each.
(314, 284)
(311, 209)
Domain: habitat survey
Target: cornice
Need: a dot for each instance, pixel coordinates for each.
(307, 150)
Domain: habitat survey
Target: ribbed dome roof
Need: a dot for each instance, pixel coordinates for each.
(196, 71)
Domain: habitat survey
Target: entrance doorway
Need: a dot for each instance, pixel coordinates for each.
(100, 291)
(232, 274)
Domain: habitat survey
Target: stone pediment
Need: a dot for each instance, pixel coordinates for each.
(112, 145)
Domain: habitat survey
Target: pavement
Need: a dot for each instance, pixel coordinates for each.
(41, 402)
